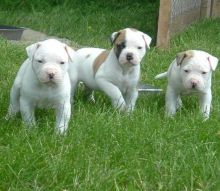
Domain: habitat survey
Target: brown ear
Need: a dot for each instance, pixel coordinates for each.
(180, 57)
(213, 61)
(147, 40)
(70, 52)
(114, 36)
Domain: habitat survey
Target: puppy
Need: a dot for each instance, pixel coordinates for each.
(43, 81)
(115, 72)
(190, 72)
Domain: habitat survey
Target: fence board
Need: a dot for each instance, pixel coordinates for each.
(163, 23)
(216, 8)
(176, 15)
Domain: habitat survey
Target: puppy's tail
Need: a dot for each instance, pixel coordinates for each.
(162, 75)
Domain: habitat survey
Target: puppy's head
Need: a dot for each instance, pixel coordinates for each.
(50, 60)
(130, 46)
(196, 69)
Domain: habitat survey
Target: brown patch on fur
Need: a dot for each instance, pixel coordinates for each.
(184, 55)
(120, 38)
(99, 60)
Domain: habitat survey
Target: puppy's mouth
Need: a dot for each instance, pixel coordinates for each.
(195, 89)
(132, 63)
(129, 60)
(198, 89)
(129, 63)
(50, 81)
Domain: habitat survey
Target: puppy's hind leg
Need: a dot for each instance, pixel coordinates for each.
(89, 94)
(14, 105)
(171, 101)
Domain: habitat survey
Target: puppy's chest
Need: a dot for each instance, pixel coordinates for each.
(48, 98)
(126, 81)
(46, 101)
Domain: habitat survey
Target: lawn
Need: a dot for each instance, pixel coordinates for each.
(103, 149)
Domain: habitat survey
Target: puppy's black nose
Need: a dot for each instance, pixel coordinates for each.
(51, 75)
(129, 56)
(194, 83)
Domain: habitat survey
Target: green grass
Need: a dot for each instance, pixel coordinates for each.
(88, 22)
(105, 150)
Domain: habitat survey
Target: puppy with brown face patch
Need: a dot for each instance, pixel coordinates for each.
(190, 72)
(115, 72)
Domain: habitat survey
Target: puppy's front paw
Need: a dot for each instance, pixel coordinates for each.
(170, 109)
(129, 108)
(61, 130)
(12, 111)
(91, 98)
(205, 117)
(169, 114)
(122, 107)
(8, 116)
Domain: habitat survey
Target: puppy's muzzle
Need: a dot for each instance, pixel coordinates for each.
(51, 74)
(194, 83)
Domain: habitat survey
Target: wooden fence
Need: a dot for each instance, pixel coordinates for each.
(176, 15)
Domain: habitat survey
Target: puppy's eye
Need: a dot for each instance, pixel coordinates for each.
(186, 71)
(121, 46)
(139, 47)
(40, 61)
(204, 72)
(62, 62)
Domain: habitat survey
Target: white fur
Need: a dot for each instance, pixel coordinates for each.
(116, 77)
(43, 81)
(193, 75)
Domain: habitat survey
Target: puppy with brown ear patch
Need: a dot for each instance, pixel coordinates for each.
(190, 72)
(43, 81)
(115, 72)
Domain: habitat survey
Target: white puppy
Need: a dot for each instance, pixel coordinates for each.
(43, 81)
(115, 72)
(190, 72)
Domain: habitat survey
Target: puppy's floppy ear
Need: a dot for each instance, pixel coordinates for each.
(213, 61)
(147, 40)
(114, 36)
(32, 49)
(183, 55)
(70, 52)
